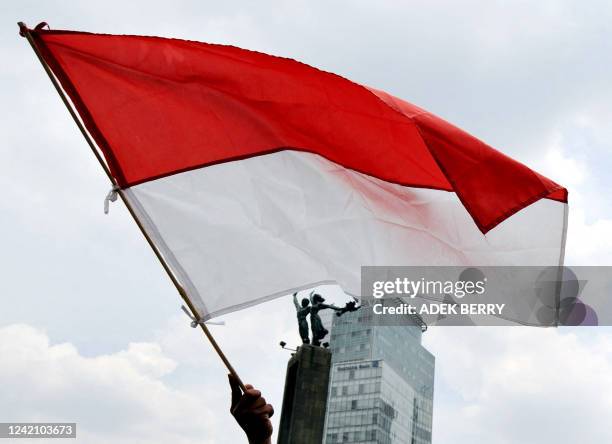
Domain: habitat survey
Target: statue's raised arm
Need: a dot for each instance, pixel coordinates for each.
(332, 306)
(317, 303)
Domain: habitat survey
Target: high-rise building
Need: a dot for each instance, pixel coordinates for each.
(381, 385)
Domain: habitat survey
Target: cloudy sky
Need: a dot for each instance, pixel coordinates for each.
(90, 327)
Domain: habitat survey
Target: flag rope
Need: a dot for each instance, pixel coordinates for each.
(110, 197)
(195, 322)
(24, 31)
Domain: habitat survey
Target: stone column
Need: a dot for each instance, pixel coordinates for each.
(305, 398)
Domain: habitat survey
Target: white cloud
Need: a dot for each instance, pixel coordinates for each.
(521, 385)
(120, 397)
(589, 240)
(588, 243)
(561, 168)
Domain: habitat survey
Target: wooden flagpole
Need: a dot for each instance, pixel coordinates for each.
(25, 32)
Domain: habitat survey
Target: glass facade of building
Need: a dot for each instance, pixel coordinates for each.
(381, 386)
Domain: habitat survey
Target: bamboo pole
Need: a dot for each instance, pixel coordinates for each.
(25, 32)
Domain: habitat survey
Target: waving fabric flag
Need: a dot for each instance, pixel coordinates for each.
(257, 175)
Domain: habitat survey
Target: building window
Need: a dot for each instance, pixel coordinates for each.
(354, 404)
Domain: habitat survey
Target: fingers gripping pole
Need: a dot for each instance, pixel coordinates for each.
(25, 32)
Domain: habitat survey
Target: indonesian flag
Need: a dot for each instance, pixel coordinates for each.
(257, 176)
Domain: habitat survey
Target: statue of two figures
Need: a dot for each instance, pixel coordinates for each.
(312, 306)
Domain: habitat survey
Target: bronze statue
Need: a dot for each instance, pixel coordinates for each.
(302, 312)
(317, 303)
(316, 326)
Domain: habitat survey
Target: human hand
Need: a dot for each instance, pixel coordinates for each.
(251, 412)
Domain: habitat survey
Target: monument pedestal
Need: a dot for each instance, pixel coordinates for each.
(305, 398)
